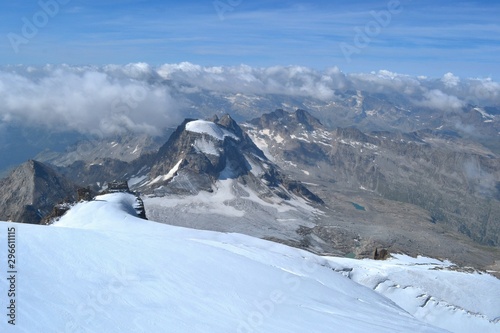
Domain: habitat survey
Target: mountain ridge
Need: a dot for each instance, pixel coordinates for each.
(394, 165)
(31, 190)
(202, 157)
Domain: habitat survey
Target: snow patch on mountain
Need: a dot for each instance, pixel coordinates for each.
(201, 203)
(259, 142)
(210, 128)
(206, 147)
(484, 114)
(228, 198)
(169, 175)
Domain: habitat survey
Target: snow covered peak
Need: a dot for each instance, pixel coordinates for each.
(210, 128)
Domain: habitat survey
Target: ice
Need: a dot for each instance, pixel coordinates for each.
(261, 144)
(202, 203)
(136, 180)
(210, 128)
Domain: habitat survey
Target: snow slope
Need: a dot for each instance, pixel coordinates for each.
(210, 128)
(100, 269)
(434, 291)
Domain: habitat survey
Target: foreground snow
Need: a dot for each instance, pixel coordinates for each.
(434, 291)
(99, 269)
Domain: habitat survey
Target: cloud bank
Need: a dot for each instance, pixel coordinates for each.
(110, 99)
(88, 100)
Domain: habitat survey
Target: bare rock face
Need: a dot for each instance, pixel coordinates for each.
(456, 180)
(381, 255)
(31, 191)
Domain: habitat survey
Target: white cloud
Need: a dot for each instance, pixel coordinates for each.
(144, 98)
(436, 99)
(450, 80)
(86, 100)
(291, 80)
(386, 81)
(484, 91)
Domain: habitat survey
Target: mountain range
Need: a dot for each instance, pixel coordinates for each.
(455, 180)
(287, 177)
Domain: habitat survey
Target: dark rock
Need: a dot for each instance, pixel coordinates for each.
(118, 186)
(139, 208)
(58, 211)
(235, 156)
(381, 255)
(84, 194)
(30, 192)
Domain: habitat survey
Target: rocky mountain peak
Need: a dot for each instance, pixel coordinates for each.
(305, 118)
(30, 191)
(229, 123)
(288, 121)
(201, 152)
(352, 133)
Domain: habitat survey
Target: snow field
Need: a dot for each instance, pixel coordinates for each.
(101, 269)
(210, 128)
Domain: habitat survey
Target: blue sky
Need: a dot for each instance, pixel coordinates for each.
(418, 37)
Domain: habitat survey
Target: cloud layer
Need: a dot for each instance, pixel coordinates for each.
(141, 98)
(89, 100)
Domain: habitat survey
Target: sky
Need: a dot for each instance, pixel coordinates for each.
(414, 37)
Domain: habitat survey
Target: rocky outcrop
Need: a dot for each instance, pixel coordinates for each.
(31, 191)
(59, 210)
(84, 194)
(121, 186)
(381, 255)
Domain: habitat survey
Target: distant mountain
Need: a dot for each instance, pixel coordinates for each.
(200, 152)
(455, 180)
(366, 110)
(127, 148)
(18, 143)
(197, 155)
(30, 191)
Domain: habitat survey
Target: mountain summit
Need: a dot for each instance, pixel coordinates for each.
(201, 152)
